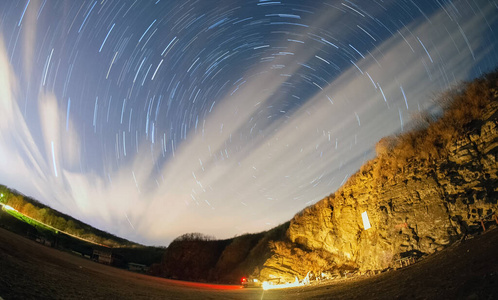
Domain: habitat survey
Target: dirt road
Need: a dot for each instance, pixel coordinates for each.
(31, 271)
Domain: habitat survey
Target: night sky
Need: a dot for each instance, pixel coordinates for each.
(150, 119)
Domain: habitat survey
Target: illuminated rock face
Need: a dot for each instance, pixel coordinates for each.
(420, 208)
(424, 190)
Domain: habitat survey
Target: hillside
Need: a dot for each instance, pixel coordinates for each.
(426, 189)
(57, 230)
(199, 258)
(62, 222)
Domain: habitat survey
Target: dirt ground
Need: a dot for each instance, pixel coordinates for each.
(29, 270)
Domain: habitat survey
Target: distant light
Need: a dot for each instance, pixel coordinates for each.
(366, 221)
(268, 286)
(8, 207)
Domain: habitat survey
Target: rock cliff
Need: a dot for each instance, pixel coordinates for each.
(425, 190)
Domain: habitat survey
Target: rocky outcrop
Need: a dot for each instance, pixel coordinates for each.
(425, 190)
(428, 189)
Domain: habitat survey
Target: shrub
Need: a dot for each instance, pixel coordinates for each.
(386, 145)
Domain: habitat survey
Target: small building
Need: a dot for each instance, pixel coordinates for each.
(43, 241)
(107, 257)
(102, 256)
(134, 267)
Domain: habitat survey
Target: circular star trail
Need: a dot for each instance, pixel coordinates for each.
(150, 119)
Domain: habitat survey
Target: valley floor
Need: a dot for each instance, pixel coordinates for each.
(29, 270)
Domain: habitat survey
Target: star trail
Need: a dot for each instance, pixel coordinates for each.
(150, 119)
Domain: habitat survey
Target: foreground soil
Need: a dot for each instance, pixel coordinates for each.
(466, 270)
